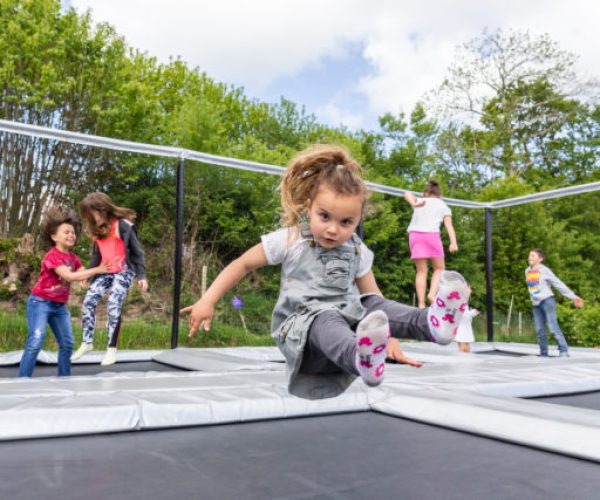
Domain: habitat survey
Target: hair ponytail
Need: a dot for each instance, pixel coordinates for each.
(433, 188)
(317, 166)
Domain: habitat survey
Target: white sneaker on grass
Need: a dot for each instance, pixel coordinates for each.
(110, 358)
(83, 348)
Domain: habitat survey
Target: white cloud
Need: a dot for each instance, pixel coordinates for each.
(336, 115)
(235, 40)
(409, 44)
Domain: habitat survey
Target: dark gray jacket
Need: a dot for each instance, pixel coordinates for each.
(133, 250)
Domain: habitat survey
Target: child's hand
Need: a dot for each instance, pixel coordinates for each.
(578, 301)
(83, 284)
(143, 285)
(201, 314)
(453, 247)
(394, 353)
(104, 268)
(475, 312)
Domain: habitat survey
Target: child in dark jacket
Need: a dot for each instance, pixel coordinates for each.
(115, 242)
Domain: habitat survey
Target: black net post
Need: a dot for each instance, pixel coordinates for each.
(178, 253)
(489, 275)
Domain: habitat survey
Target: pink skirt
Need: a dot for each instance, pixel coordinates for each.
(425, 245)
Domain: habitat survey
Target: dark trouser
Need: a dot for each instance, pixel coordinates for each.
(331, 343)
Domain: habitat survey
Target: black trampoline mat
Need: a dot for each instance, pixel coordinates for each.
(346, 456)
(590, 400)
(43, 370)
(500, 352)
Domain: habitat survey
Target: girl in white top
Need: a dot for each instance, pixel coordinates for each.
(331, 321)
(425, 240)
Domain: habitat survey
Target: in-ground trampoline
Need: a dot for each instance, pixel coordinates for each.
(219, 423)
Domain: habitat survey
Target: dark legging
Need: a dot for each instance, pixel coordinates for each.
(331, 343)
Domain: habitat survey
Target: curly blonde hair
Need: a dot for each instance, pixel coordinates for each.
(321, 165)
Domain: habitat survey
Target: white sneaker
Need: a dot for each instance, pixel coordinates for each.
(110, 358)
(83, 348)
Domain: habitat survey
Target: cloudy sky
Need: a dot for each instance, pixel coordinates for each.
(346, 61)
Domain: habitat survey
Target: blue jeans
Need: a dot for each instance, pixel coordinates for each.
(40, 313)
(545, 313)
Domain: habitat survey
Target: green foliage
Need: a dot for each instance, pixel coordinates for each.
(580, 326)
(528, 135)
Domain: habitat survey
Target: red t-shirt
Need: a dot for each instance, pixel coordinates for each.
(50, 286)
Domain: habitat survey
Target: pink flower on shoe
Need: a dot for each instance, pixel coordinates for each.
(379, 348)
(449, 318)
(365, 341)
(379, 371)
(365, 363)
(440, 303)
(454, 295)
(434, 321)
(462, 307)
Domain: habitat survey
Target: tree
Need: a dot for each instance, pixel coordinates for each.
(518, 94)
(59, 72)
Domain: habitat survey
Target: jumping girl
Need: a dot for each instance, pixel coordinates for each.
(47, 304)
(424, 238)
(115, 242)
(331, 321)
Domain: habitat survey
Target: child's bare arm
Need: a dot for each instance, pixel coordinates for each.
(411, 199)
(394, 352)
(82, 273)
(368, 284)
(201, 312)
(451, 234)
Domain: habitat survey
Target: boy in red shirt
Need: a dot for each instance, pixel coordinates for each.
(47, 304)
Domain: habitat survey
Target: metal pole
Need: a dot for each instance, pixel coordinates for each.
(488, 275)
(360, 230)
(178, 253)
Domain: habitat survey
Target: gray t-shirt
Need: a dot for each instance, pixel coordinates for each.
(540, 282)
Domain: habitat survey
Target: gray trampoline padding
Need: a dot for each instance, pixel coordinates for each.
(476, 394)
(351, 456)
(589, 400)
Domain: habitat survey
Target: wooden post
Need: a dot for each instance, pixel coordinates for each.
(204, 276)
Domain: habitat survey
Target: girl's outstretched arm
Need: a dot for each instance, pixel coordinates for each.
(201, 313)
(411, 199)
(394, 353)
(82, 273)
(367, 284)
(451, 234)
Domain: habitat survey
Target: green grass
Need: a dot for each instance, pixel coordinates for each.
(136, 334)
(523, 333)
(226, 331)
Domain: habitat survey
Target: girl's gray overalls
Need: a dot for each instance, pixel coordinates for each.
(322, 279)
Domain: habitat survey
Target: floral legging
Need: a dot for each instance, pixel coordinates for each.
(118, 284)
